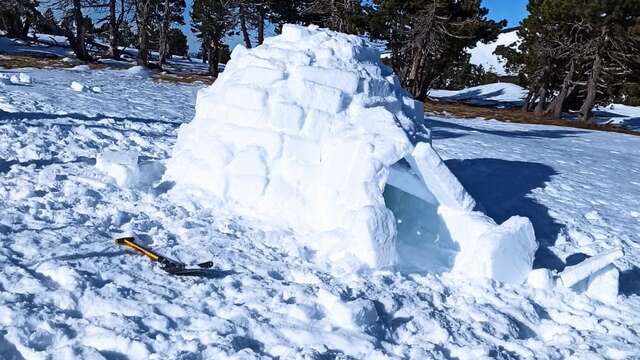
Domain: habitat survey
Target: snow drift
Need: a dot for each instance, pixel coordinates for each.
(311, 132)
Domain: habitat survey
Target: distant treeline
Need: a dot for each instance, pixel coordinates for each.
(426, 39)
(573, 54)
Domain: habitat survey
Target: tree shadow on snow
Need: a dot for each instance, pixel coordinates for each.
(7, 349)
(476, 97)
(447, 130)
(503, 189)
(16, 116)
(5, 165)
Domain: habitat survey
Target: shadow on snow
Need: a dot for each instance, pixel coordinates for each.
(14, 116)
(503, 189)
(448, 130)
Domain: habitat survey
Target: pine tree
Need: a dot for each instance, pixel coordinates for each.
(346, 16)
(117, 17)
(582, 50)
(143, 21)
(280, 12)
(178, 43)
(47, 24)
(212, 20)
(73, 25)
(170, 11)
(17, 17)
(426, 39)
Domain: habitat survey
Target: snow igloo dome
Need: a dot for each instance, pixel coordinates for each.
(312, 132)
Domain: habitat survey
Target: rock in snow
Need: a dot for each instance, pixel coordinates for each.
(304, 132)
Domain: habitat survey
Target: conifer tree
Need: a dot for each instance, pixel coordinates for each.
(73, 25)
(576, 49)
(169, 11)
(212, 20)
(143, 22)
(427, 38)
(340, 15)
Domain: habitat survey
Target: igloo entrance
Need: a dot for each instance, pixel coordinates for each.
(424, 243)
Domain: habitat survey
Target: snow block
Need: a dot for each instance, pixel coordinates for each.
(572, 275)
(603, 285)
(312, 133)
(320, 97)
(486, 250)
(245, 97)
(373, 230)
(76, 86)
(439, 179)
(122, 166)
(541, 279)
(287, 117)
(259, 76)
(345, 81)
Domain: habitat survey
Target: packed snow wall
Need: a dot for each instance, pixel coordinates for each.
(305, 132)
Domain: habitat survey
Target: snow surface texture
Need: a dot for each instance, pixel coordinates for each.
(301, 133)
(66, 291)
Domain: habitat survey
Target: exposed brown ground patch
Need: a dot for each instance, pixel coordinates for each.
(467, 111)
(184, 78)
(19, 61)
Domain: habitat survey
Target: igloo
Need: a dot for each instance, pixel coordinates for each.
(311, 132)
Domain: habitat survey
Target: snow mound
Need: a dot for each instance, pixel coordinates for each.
(81, 68)
(483, 54)
(311, 132)
(138, 71)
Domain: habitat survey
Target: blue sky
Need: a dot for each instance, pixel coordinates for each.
(511, 10)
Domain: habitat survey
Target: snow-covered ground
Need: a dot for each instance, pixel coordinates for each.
(67, 292)
(497, 94)
(51, 46)
(483, 54)
(509, 95)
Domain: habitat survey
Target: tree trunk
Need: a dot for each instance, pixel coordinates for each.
(542, 101)
(79, 44)
(142, 17)
(163, 41)
(558, 104)
(243, 28)
(527, 101)
(25, 29)
(213, 55)
(15, 22)
(414, 78)
(113, 31)
(586, 111)
(260, 26)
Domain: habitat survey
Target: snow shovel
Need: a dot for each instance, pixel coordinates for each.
(169, 265)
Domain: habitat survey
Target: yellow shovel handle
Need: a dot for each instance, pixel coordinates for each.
(130, 243)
